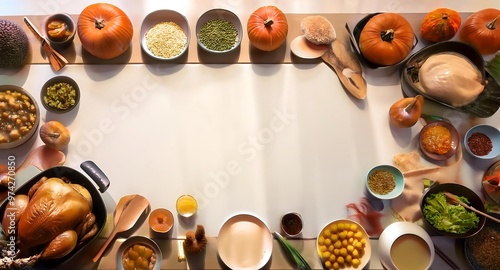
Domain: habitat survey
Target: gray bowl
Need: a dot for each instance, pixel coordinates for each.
(492, 132)
(160, 16)
(60, 43)
(222, 14)
(485, 105)
(55, 80)
(141, 240)
(32, 131)
(458, 190)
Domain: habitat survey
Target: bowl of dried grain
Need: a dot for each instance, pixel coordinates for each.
(165, 34)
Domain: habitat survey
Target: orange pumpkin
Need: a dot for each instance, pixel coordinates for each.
(440, 25)
(105, 31)
(55, 135)
(386, 39)
(482, 31)
(267, 28)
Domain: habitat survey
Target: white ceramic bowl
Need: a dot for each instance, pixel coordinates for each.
(321, 239)
(493, 134)
(398, 178)
(222, 14)
(408, 239)
(160, 16)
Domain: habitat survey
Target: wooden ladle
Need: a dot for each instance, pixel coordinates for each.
(451, 198)
(126, 221)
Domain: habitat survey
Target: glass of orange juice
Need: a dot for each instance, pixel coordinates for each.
(186, 205)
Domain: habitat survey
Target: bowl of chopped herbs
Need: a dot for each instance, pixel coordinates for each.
(219, 31)
(60, 94)
(449, 218)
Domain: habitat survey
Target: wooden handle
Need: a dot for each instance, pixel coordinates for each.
(103, 248)
(348, 69)
(480, 213)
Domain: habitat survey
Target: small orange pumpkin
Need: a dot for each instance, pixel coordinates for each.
(482, 30)
(440, 25)
(104, 30)
(267, 28)
(386, 39)
(55, 135)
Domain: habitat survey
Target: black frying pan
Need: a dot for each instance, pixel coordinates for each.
(99, 208)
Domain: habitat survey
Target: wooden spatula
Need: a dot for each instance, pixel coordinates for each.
(127, 220)
(347, 66)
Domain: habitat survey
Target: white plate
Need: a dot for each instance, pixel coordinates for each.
(245, 242)
(393, 232)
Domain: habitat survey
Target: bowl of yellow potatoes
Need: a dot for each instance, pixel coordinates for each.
(343, 244)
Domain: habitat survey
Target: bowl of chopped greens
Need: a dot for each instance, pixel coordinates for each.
(60, 94)
(219, 31)
(447, 218)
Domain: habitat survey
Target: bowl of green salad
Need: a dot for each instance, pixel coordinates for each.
(447, 218)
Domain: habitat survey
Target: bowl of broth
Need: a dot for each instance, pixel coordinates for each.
(405, 245)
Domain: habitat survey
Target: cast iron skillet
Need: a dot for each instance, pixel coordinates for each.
(99, 208)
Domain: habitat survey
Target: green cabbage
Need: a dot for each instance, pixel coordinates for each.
(448, 217)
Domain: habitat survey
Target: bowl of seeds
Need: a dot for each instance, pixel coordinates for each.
(165, 34)
(385, 182)
(60, 94)
(219, 31)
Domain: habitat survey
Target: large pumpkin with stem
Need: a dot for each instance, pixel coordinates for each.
(440, 25)
(105, 31)
(386, 39)
(267, 28)
(482, 30)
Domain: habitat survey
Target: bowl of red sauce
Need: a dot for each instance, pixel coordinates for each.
(482, 141)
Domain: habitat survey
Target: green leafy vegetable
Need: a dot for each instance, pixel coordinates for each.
(493, 66)
(299, 261)
(447, 217)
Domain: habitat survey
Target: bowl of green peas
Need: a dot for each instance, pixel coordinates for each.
(60, 94)
(219, 31)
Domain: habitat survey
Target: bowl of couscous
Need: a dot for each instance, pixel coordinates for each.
(165, 34)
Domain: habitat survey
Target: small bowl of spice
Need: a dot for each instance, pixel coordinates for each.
(60, 94)
(60, 30)
(482, 141)
(291, 224)
(385, 182)
(219, 31)
(165, 34)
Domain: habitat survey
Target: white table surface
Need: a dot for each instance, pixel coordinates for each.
(242, 138)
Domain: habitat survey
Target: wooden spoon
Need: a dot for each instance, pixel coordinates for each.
(122, 204)
(454, 200)
(126, 221)
(348, 68)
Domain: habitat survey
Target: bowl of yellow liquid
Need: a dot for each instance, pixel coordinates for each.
(186, 205)
(405, 245)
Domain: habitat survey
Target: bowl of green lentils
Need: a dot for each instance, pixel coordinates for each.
(60, 94)
(165, 34)
(219, 31)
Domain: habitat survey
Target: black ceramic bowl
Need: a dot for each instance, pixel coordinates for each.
(56, 80)
(60, 43)
(485, 105)
(458, 190)
(356, 33)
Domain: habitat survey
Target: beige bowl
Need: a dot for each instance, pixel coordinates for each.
(5, 107)
(224, 15)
